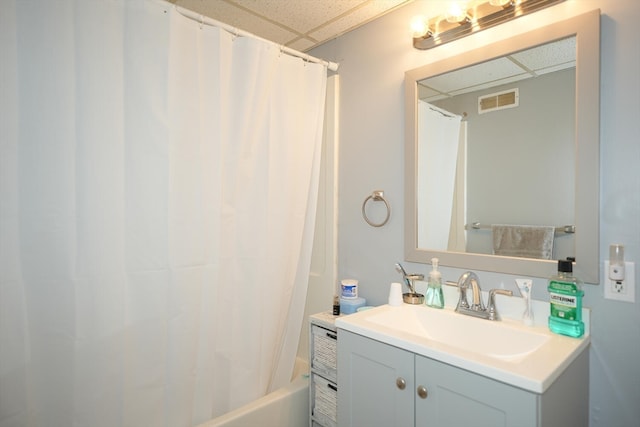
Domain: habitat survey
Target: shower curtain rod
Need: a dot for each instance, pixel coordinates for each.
(333, 66)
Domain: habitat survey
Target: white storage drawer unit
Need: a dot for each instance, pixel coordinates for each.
(323, 393)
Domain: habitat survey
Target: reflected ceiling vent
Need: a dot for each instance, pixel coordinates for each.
(498, 101)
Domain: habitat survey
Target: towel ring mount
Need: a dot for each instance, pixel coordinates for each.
(376, 196)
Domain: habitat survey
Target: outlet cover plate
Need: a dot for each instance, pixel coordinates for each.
(628, 292)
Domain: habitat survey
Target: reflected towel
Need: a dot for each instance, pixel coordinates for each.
(527, 241)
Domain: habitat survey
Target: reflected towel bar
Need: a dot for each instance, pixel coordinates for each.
(564, 229)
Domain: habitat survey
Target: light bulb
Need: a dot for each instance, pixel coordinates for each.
(457, 12)
(499, 2)
(419, 26)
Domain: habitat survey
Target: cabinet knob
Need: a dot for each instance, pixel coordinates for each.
(401, 383)
(422, 392)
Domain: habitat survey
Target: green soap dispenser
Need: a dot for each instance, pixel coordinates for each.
(565, 297)
(435, 298)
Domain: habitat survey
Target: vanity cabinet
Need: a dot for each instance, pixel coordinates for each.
(382, 385)
(449, 396)
(371, 390)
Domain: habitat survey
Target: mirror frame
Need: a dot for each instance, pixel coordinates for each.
(586, 29)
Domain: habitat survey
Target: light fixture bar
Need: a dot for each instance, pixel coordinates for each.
(482, 16)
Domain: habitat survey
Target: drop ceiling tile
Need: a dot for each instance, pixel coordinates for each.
(367, 12)
(224, 12)
(475, 75)
(292, 22)
(301, 44)
(435, 98)
(427, 93)
(488, 85)
(560, 52)
(554, 68)
(300, 15)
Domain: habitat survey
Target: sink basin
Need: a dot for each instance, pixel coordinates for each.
(529, 357)
(484, 337)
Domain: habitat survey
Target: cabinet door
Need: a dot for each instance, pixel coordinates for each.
(375, 383)
(456, 397)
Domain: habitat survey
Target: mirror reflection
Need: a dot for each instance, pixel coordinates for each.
(496, 158)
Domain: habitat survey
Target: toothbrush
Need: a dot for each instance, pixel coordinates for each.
(525, 290)
(405, 277)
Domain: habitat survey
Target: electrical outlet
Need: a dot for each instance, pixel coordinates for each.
(624, 290)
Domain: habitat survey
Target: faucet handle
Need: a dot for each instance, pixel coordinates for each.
(493, 311)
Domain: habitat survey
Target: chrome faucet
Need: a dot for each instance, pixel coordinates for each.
(466, 281)
(476, 308)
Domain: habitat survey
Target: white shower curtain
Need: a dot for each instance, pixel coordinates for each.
(158, 188)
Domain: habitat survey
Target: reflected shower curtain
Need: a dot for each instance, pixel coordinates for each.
(158, 188)
(457, 229)
(439, 140)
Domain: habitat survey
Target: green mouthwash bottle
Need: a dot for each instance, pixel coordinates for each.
(565, 296)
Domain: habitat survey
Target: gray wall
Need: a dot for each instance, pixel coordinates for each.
(373, 59)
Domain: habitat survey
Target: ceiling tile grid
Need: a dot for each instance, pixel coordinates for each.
(298, 24)
(532, 62)
(558, 55)
(299, 15)
(223, 11)
(356, 17)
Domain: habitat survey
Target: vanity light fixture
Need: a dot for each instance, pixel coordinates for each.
(468, 17)
(501, 3)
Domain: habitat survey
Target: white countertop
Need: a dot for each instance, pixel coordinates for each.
(534, 370)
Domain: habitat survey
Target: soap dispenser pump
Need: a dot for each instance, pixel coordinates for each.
(435, 298)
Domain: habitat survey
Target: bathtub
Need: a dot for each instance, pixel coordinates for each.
(286, 407)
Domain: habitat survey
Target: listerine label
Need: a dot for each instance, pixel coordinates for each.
(563, 306)
(567, 287)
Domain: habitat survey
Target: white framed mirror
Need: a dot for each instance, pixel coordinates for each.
(456, 201)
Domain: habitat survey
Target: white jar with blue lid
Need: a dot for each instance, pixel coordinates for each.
(349, 288)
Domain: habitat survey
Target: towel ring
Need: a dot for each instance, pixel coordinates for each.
(376, 196)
